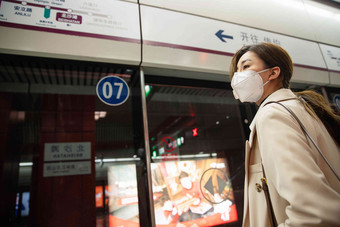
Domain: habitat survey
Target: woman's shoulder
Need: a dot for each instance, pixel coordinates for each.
(278, 100)
(275, 108)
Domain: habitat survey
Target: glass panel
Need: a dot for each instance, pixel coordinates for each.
(116, 178)
(197, 146)
(67, 158)
(333, 97)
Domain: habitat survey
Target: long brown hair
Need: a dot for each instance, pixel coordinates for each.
(314, 103)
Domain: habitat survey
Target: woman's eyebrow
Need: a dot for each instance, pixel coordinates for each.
(242, 62)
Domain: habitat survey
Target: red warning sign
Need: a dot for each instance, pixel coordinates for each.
(168, 143)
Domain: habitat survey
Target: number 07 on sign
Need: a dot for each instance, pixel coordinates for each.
(112, 90)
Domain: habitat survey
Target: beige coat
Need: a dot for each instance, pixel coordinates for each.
(303, 190)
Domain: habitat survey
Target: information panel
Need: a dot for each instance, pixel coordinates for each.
(66, 168)
(65, 159)
(184, 31)
(67, 151)
(332, 56)
(109, 19)
(112, 90)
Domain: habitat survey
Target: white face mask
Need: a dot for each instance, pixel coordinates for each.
(248, 85)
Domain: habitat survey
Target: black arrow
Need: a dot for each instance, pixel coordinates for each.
(209, 186)
(221, 36)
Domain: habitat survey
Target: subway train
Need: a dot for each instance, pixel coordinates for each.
(121, 113)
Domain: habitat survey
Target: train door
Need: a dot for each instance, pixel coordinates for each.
(67, 158)
(196, 133)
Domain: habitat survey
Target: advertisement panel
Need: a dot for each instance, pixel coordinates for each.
(193, 193)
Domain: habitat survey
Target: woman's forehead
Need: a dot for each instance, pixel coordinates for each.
(248, 56)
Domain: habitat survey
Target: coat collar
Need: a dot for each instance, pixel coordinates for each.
(279, 95)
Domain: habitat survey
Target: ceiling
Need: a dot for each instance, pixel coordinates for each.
(41, 75)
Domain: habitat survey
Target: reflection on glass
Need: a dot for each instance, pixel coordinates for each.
(99, 196)
(123, 198)
(25, 204)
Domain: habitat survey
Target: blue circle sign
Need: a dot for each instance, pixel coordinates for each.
(336, 100)
(112, 90)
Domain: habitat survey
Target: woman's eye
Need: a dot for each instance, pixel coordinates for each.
(245, 66)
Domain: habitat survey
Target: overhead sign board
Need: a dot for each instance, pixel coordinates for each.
(219, 37)
(112, 90)
(332, 56)
(108, 19)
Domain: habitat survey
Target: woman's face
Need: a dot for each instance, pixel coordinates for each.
(251, 61)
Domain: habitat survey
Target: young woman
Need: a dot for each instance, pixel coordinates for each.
(303, 189)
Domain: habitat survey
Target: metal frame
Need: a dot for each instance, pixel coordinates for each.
(147, 148)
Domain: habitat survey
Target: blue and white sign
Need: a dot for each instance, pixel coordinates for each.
(112, 90)
(336, 100)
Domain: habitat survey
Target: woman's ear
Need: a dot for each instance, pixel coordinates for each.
(275, 72)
